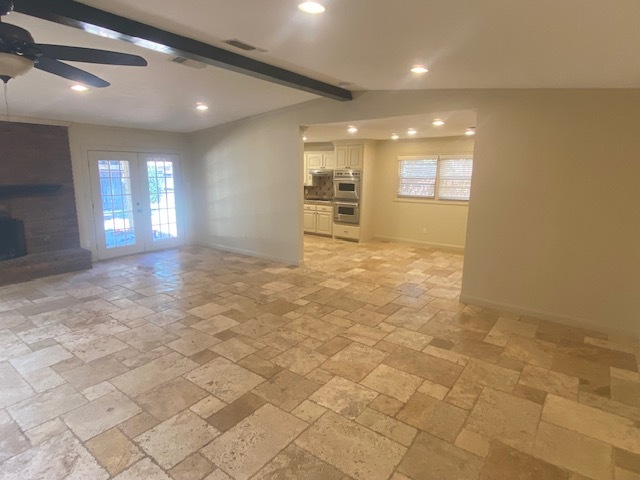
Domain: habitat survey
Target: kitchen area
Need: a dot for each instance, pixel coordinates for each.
(333, 189)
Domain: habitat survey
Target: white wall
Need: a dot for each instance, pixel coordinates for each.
(83, 138)
(405, 219)
(553, 223)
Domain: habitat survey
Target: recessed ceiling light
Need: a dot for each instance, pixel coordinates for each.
(412, 131)
(79, 88)
(202, 107)
(395, 136)
(311, 7)
(419, 69)
(470, 131)
(352, 129)
(304, 139)
(437, 122)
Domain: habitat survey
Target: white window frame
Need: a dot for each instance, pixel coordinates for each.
(436, 199)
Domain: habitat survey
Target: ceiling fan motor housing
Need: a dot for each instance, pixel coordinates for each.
(6, 6)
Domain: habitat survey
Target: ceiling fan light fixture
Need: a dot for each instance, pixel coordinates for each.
(311, 7)
(352, 129)
(419, 69)
(12, 65)
(470, 131)
(412, 131)
(438, 122)
(395, 136)
(202, 107)
(79, 88)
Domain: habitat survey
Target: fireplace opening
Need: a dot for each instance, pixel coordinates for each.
(12, 242)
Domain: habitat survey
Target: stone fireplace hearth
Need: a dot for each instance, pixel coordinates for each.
(37, 204)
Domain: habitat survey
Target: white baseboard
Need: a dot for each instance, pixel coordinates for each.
(250, 253)
(443, 246)
(544, 315)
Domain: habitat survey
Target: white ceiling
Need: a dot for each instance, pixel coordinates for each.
(370, 43)
(456, 123)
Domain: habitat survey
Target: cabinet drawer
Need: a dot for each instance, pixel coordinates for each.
(310, 207)
(346, 231)
(324, 208)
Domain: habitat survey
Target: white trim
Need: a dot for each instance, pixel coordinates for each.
(250, 253)
(443, 246)
(544, 315)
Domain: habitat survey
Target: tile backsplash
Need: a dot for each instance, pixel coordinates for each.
(324, 188)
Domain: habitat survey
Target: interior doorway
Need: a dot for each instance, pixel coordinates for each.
(134, 202)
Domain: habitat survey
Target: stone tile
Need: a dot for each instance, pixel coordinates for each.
(319, 376)
(392, 382)
(260, 326)
(387, 405)
(626, 460)
(45, 431)
(138, 424)
(493, 376)
(473, 442)
(387, 426)
(464, 394)
(259, 365)
(13, 388)
(143, 469)
(193, 343)
(594, 376)
(152, 374)
(59, 457)
(333, 346)
(88, 352)
(573, 451)
(409, 339)
(505, 462)
(218, 475)
(93, 373)
(355, 450)
(504, 328)
(224, 379)
(446, 354)
(354, 362)
(280, 340)
(433, 390)
(445, 422)
(410, 318)
(550, 381)
(12, 441)
(233, 349)
(314, 328)
(248, 446)
(295, 463)
(208, 310)
(146, 337)
(366, 317)
(175, 439)
(170, 398)
(425, 366)
(207, 406)
(194, 467)
(41, 408)
(286, 390)
(308, 411)
(604, 426)
(530, 393)
(100, 415)
(114, 451)
(625, 391)
(621, 474)
(215, 325)
(40, 359)
(509, 419)
(344, 397)
(300, 360)
(363, 334)
(533, 351)
(233, 413)
(445, 461)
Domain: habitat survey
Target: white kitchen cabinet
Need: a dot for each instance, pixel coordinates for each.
(318, 219)
(317, 161)
(349, 232)
(349, 156)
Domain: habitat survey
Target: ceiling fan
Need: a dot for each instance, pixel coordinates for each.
(19, 53)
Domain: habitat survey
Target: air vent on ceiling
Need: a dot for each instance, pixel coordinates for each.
(234, 42)
(188, 62)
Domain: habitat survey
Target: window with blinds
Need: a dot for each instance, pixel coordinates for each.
(442, 178)
(417, 177)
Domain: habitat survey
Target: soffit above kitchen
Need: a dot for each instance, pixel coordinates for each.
(369, 44)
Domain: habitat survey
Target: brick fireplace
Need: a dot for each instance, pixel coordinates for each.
(36, 191)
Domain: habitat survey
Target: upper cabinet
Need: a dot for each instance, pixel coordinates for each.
(349, 156)
(317, 161)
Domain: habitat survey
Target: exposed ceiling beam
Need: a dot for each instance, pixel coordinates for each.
(93, 20)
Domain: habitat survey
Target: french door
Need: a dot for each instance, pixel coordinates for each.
(134, 202)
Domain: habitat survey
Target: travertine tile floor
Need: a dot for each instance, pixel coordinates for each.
(197, 364)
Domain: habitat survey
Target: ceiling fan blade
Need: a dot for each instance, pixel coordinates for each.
(90, 55)
(67, 71)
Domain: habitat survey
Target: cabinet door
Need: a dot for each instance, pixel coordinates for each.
(325, 223)
(341, 157)
(329, 161)
(355, 157)
(310, 221)
(313, 160)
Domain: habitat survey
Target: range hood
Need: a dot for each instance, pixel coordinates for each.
(320, 173)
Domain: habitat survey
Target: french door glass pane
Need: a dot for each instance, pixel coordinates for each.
(163, 201)
(117, 203)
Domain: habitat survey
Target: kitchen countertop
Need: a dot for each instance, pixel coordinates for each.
(318, 201)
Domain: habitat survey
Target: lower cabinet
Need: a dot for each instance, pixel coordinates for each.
(350, 232)
(318, 219)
